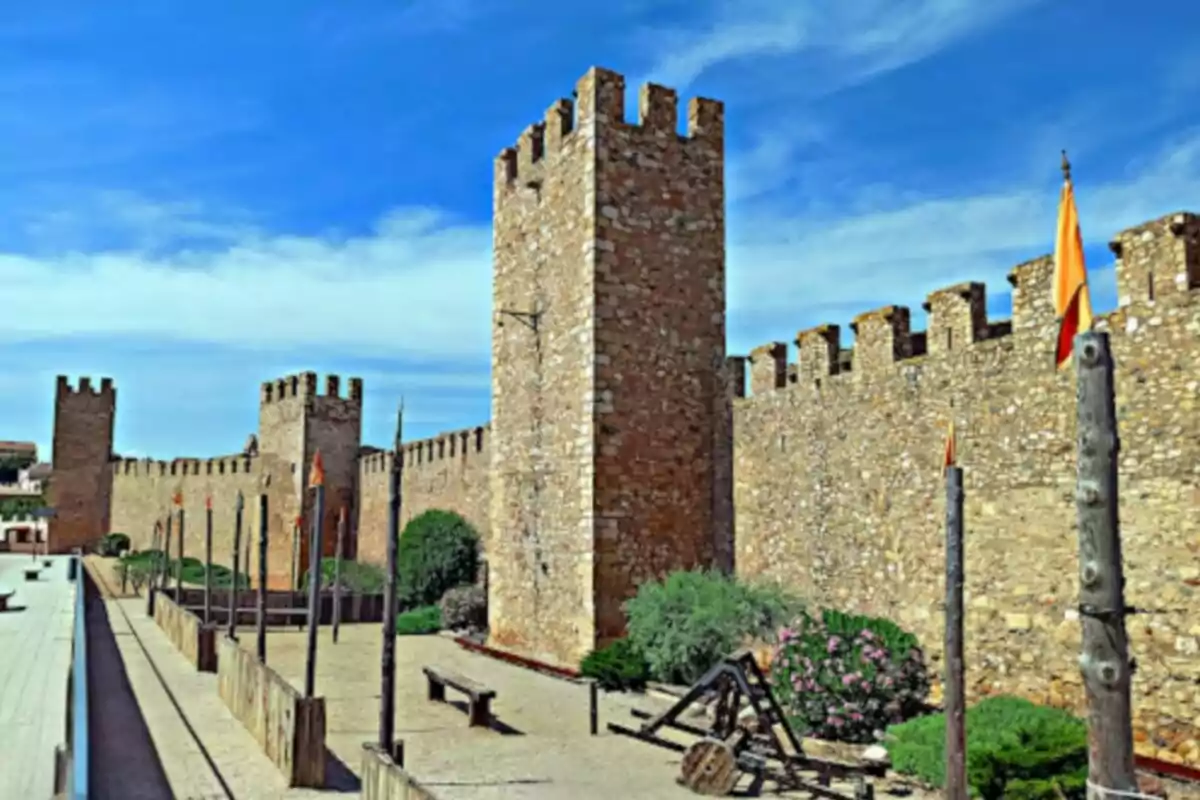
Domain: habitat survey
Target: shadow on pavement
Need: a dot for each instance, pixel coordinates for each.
(124, 762)
(338, 776)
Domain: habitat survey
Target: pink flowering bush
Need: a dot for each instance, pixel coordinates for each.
(846, 678)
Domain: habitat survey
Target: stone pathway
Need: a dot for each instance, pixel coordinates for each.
(201, 751)
(35, 660)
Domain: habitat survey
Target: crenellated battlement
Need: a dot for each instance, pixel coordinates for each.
(154, 468)
(304, 385)
(464, 444)
(599, 106)
(1159, 262)
(86, 387)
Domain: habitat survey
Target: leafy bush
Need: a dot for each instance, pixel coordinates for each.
(419, 621)
(464, 608)
(112, 544)
(356, 576)
(616, 667)
(1015, 749)
(844, 677)
(193, 569)
(438, 551)
(689, 622)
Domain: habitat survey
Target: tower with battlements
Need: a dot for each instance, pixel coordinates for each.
(80, 489)
(294, 421)
(608, 347)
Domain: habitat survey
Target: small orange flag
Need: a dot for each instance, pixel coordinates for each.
(208, 502)
(317, 476)
(951, 456)
(177, 498)
(1072, 300)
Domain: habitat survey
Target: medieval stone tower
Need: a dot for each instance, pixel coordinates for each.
(608, 342)
(81, 487)
(294, 421)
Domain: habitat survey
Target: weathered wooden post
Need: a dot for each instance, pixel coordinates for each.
(166, 554)
(955, 680)
(235, 584)
(387, 696)
(208, 520)
(337, 573)
(1104, 660)
(261, 631)
(179, 560)
(317, 482)
(297, 527)
(151, 580)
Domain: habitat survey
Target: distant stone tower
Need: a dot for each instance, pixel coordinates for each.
(294, 421)
(81, 483)
(608, 343)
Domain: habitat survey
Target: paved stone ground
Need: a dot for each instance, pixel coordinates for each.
(541, 749)
(35, 660)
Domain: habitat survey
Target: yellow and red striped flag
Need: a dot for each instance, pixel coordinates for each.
(177, 498)
(1072, 301)
(208, 502)
(950, 458)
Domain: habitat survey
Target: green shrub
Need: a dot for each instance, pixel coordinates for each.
(844, 678)
(419, 621)
(356, 576)
(1015, 750)
(112, 544)
(144, 563)
(464, 608)
(689, 622)
(438, 551)
(616, 667)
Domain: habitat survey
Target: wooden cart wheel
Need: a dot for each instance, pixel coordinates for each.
(709, 768)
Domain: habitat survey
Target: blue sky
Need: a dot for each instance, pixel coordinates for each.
(193, 202)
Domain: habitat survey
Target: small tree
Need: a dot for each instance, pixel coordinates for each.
(438, 551)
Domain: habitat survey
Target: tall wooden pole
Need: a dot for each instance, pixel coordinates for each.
(317, 482)
(166, 553)
(296, 528)
(179, 562)
(261, 632)
(155, 544)
(235, 586)
(387, 696)
(1104, 660)
(955, 695)
(337, 573)
(208, 520)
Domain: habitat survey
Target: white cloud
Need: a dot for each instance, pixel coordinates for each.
(419, 283)
(796, 267)
(856, 39)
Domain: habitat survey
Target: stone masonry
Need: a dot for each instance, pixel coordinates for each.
(839, 490)
(608, 330)
(80, 489)
(622, 444)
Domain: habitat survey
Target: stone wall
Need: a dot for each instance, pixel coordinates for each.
(838, 473)
(142, 492)
(448, 471)
(289, 727)
(608, 331)
(83, 437)
(191, 637)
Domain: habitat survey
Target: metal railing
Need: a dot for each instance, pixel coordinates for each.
(73, 762)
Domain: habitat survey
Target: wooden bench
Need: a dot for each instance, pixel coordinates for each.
(4, 598)
(479, 697)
